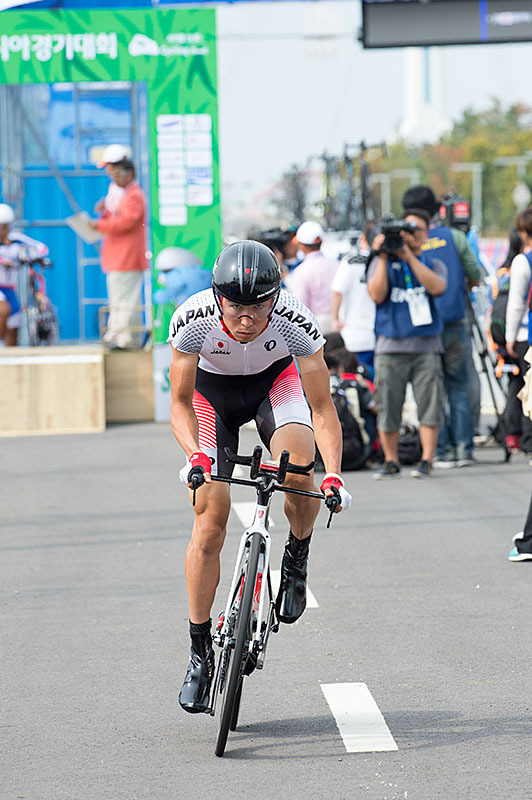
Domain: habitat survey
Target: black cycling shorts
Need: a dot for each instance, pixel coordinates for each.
(223, 403)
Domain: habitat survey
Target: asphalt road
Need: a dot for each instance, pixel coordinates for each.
(416, 599)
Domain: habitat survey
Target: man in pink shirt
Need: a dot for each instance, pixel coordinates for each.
(123, 253)
(311, 280)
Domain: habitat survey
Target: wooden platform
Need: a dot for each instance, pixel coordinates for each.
(45, 390)
(129, 395)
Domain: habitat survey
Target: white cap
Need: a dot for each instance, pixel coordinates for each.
(7, 215)
(114, 153)
(310, 233)
(173, 257)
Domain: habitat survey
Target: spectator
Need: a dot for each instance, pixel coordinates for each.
(9, 303)
(522, 549)
(14, 246)
(112, 155)
(408, 325)
(353, 310)
(496, 317)
(181, 274)
(123, 255)
(283, 243)
(353, 375)
(517, 318)
(311, 280)
(455, 442)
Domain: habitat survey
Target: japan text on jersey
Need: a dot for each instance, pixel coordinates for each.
(196, 327)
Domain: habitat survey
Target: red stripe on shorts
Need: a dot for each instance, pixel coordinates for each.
(286, 387)
(207, 420)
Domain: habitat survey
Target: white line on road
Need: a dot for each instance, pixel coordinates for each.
(276, 580)
(245, 513)
(359, 720)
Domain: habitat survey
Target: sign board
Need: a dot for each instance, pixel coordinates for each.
(112, 4)
(174, 53)
(420, 23)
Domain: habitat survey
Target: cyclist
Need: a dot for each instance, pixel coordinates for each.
(15, 247)
(232, 362)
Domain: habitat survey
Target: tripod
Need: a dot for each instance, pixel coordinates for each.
(488, 369)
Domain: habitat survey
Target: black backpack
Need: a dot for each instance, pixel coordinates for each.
(498, 311)
(355, 451)
(409, 445)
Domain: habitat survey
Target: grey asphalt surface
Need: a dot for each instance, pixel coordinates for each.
(416, 599)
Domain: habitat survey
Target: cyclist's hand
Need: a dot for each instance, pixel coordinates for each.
(198, 467)
(333, 484)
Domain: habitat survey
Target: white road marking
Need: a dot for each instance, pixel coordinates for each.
(245, 512)
(359, 720)
(276, 580)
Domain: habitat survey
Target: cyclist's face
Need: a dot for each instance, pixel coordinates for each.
(4, 230)
(245, 322)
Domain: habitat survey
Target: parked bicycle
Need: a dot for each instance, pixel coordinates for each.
(249, 617)
(39, 319)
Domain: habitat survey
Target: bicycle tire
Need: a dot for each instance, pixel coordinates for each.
(236, 706)
(235, 677)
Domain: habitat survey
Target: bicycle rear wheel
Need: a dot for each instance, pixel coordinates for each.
(233, 688)
(236, 706)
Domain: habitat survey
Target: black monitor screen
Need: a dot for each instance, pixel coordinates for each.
(412, 23)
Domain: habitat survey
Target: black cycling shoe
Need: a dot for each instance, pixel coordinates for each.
(196, 690)
(292, 598)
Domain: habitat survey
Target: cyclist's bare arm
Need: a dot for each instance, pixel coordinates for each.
(327, 430)
(183, 419)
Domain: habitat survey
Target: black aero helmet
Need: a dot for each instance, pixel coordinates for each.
(246, 272)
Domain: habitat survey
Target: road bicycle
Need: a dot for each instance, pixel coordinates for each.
(244, 627)
(40, 314)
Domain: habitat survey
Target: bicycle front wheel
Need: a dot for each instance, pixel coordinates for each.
(233, 689)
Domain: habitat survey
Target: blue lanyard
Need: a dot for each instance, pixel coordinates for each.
(408, 274)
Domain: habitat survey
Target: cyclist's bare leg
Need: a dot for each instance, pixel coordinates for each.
(202, 561)
(11, 337)
(299, 441)
(5, 311)
(301, 512)
(202, 570)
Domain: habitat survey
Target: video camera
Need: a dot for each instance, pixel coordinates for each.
(455, 212)
(392, 228)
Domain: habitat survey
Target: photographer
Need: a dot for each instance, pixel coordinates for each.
(353, 310)
(455, 443)
(283, 243)
(408, 345)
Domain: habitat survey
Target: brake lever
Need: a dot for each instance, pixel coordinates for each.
(196, 482)
(332, 504)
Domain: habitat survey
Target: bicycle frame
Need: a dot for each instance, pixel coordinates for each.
(264, 622)
(259, 525)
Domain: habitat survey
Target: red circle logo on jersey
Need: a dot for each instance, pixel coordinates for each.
(220, 344)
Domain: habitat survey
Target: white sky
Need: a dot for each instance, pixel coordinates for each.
(283, 97)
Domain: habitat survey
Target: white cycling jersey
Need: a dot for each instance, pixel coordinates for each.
(196, 327)
(10, 254)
